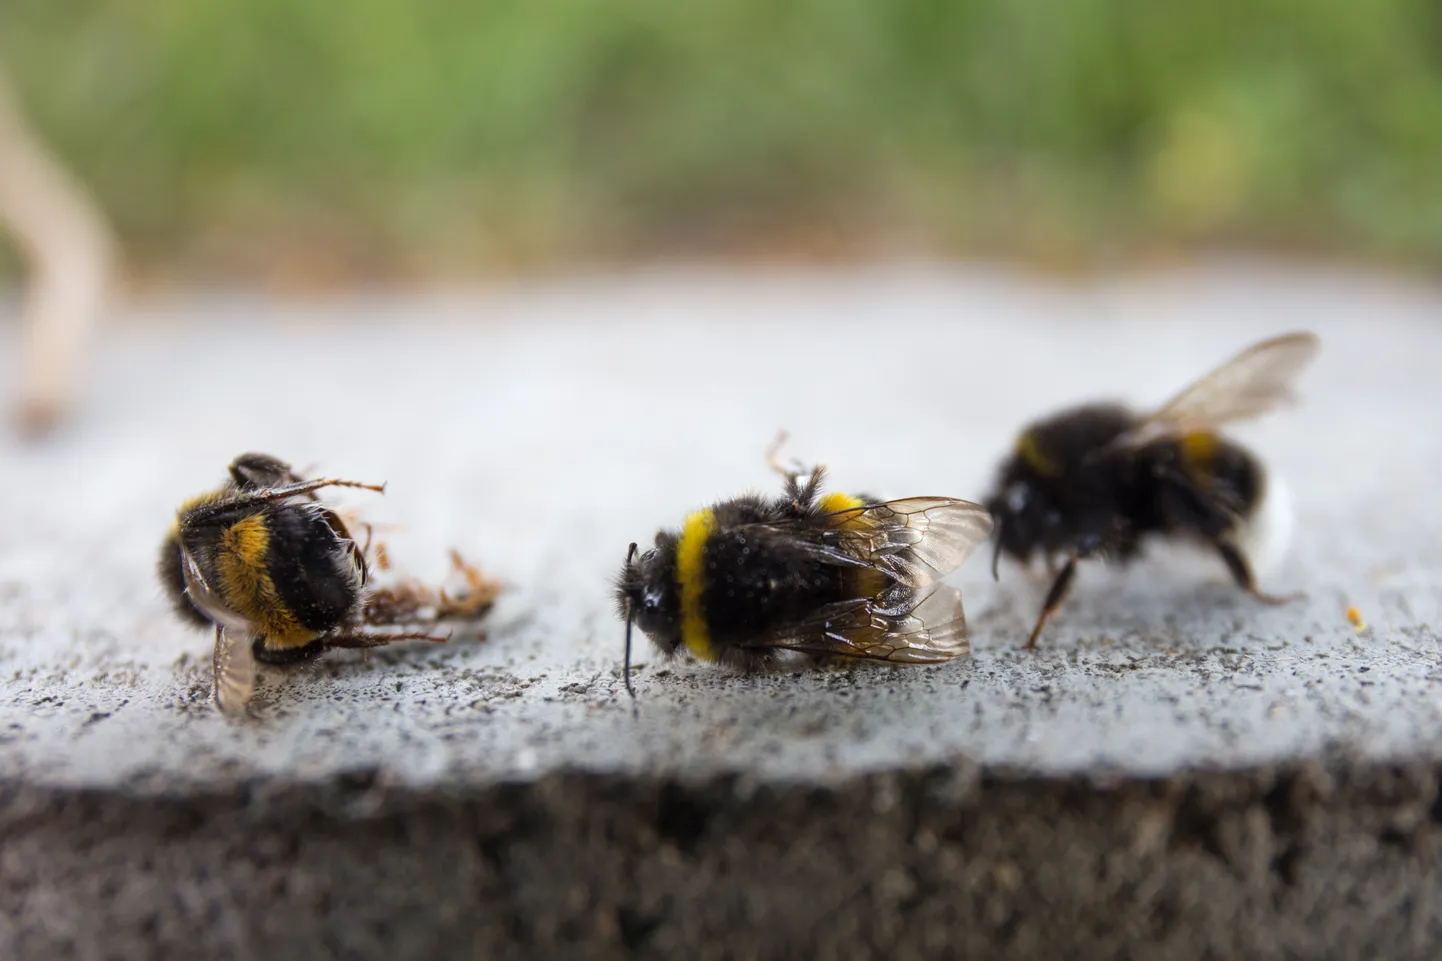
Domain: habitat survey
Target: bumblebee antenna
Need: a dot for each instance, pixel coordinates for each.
(996, 552)
(773, 454)
(630, 616)
(263, 495)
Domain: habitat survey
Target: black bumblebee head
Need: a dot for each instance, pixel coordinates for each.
(1022, 514)
(260, 471)
(647, 597)
(1054, 475)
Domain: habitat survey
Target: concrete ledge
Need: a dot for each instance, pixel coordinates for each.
(1180, 772)
(1310, 861)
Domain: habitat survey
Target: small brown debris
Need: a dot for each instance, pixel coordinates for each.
(413, 602)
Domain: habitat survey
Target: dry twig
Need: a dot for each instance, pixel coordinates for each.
(67, 246)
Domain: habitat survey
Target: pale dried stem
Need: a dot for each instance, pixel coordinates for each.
(68, 249)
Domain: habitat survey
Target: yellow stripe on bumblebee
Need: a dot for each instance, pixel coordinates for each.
(691, 579)
(1199, 452)
(836, 501)
(246, 586)
(1029, 450)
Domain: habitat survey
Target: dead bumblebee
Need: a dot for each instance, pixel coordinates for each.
(1098, 480)
(278, 575)
(751, 580)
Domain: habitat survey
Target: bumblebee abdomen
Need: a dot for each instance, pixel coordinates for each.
(755, 585)
(1200, 485)
(244, 583)
(1218, 464)
(311, 570)
(737, 584)
(286, 572)
(742, 580)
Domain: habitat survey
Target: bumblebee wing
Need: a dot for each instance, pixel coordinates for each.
(206, 600)
(902, 625)
(233, 664)
(1254, 382)
(914, 541)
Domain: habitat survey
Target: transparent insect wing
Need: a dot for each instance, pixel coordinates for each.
(930, 627)
(902, 626)
(233, 666)
(233, 660)
(916, 540)
(206, 600)
(1258, 380)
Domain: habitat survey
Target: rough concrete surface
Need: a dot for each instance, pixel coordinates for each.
(1179, 772)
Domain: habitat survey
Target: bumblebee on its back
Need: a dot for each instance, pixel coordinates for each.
(1098, 480)
(248, 472)
(750, 580)
(272, 568)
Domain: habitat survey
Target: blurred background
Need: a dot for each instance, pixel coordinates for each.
(304, 143)
(295, 147)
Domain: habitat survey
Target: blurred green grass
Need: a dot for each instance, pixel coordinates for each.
(447, 135)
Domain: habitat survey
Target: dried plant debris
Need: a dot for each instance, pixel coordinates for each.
(414, 602)
(69, 250)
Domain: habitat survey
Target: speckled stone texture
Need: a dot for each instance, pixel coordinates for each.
(1179, 772)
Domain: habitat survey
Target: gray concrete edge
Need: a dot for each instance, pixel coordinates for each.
(1331, 857)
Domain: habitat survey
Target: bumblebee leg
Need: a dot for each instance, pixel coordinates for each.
(287, 655)
(265, 494)
(802, 495)
(1086, 547)
(773, 459)
(206, 513)
(1054, 599)
(773, 456)
(1241, 572)
(402, 604)
(366, 639)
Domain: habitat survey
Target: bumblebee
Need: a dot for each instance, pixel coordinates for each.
(276, 573)
(1099, 480)
(749, 581)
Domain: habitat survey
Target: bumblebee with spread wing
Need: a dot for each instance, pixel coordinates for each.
(752, 580)
(1098, 480)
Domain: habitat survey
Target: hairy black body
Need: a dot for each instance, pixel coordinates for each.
(1099, 480)
(751, 579)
